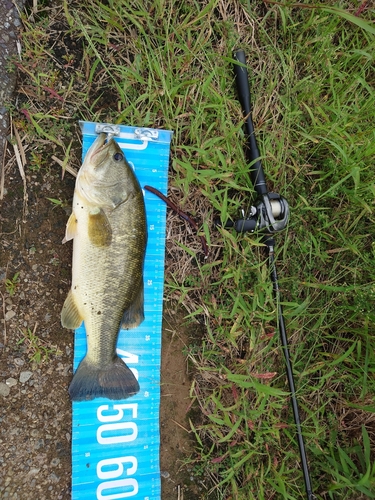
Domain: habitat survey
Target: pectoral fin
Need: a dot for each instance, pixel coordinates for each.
(71, 228)
(100, 231)
(70, 317)
(134, 315)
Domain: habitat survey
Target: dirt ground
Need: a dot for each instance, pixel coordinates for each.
(35, 412)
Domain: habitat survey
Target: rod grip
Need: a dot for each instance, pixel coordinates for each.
(242, 82)
(243, 89)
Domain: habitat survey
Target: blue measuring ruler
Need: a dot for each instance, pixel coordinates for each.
(115, 444)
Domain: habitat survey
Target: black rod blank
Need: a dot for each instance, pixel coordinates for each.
(289, 374)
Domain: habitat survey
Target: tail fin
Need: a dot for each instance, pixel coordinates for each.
(116, 381)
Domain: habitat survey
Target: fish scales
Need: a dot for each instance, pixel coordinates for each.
(108, 225)
(120, 278)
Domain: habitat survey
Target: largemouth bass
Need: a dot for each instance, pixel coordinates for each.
(108, 225)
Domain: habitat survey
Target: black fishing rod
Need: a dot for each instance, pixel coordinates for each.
(269, 215)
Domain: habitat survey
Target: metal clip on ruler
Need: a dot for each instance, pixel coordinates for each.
(115, 444)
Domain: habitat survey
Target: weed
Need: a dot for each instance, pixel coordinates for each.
(38, 350)
(36, 161)
(12, 284)
(57, 203)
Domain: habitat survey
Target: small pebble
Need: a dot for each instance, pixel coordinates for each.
(54, 478)
(39, 444)
(11, 382)
(4, 389)
(24, 376)
(9, 315)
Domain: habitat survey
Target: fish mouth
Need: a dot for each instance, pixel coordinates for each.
(102, 144)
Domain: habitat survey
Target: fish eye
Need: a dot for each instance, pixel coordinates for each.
(118, 156)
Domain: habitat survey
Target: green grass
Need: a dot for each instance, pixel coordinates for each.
(11, 284)
(37, 349)
(169, 64)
